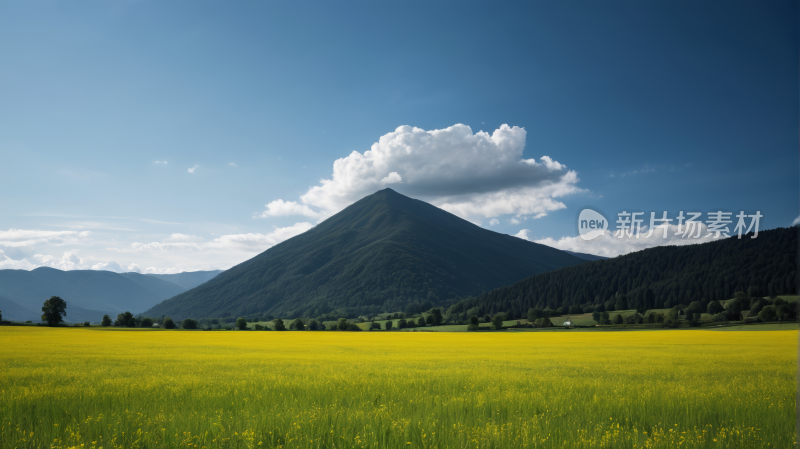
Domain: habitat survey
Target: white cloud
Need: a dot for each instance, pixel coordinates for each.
(279, 208)
(494, 222)
(514, 221)
(69, 261)
(611, 246)
(116, 267)
(232, 164)
(252, 242)
(160, 162)
(192, 169)
(470, 175)
(7, 263)
(392, 178)
(24, 237)
(796, 221)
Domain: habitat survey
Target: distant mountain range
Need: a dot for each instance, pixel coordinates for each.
(379, 254)
(89, 293)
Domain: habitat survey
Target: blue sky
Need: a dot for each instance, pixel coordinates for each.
(651, 107)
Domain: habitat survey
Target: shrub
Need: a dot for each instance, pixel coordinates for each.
(543, 322)
(259, 327)
(352, 327)
(618, 319)
(189, 323)
(375, 326)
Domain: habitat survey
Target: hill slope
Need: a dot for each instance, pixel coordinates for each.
(379, 254)
(675, 274)
(89, 293)
(188, 279)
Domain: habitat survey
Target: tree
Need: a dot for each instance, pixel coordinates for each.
(169, 324)
(714, 307)
(618, 319)
(87, 324)
(497, 321)
(375, 326)
(388, 325)
(1, 315)
(54, 310)
(436, 313)
(533, 314)
(241, 323)
(343, 324)
(429, 320)
(402, 324)
(474, 323)
(125, 320)
(298, 324)
(278, 325)
(605, 318)
(543, 322)
(768, 313)
(313, 325)
(597, 316)
(106, 321)
(189, 323)
(622, 302)
(421, 322)
(146, 322)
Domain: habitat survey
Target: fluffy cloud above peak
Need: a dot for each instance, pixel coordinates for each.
(469, 174)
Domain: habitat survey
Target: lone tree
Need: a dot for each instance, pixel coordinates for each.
(388, 325)
(169, 324)
(278, 325)
(343, 324)
(374, 326)
(241, 323)
(106, 321)
(54, 310)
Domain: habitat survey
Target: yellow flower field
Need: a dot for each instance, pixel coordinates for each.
(72, 387)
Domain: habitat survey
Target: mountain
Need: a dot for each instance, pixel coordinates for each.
(585, 256)
(14, 312)
(379, 254)
(674, 274)
(89, 294)
(188, 279)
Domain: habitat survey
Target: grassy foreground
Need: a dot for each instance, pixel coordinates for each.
(143, 388)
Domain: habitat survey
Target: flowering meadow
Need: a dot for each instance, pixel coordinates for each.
(113, 388)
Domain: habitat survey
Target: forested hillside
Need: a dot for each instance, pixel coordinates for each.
(655, 278)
